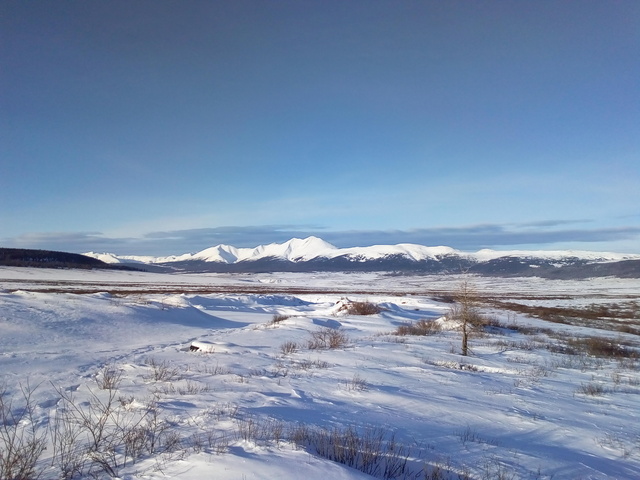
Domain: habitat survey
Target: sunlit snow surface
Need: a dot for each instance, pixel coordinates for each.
(513, 406)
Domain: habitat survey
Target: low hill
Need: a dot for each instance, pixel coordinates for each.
(21, 257)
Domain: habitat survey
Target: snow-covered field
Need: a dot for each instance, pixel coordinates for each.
(117, 392)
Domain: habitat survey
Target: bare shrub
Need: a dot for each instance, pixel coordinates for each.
(192, 388)
(278, 318)
(247, 429)
(162, 371)
(592, 389)
(328, 338)
(134, 442)
(109, 377)
(616, 442)
(94, 419)
(214, 369)
(218, 442)
(494, 469)
(265, 430)
(308, 364)
(126, 401)
(504, 345)
(289, 347)
(337, 339)
(111, 434)
(601, 347)
(276, 431)
(299, 435)
(278, 370)
(454, 365)
(362, 308)
(421, 327)
(22, 441)
(168, 389)
(161, 438)
(68, 453)
(172, 441)
(357, 384)
(93, 438)
(197, 441)
(442, 470)
(496, 325)
(435, 472)
(469, 434)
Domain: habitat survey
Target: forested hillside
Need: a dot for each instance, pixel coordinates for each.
(21, 257)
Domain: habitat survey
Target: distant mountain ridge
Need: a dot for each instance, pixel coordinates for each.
(315, 254)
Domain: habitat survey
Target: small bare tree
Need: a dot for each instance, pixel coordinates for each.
(465, 310)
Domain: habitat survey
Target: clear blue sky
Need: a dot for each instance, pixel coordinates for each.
(164, 127)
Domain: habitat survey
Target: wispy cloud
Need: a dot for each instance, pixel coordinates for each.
(470, 237)
(245, 236)
(68, 241)
(486, 236)
(550, 223)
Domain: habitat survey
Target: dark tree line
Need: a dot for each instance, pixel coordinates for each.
(23, 257)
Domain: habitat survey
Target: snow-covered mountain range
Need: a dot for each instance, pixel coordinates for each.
(314, 254)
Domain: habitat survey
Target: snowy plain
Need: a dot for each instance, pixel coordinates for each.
(521, 406)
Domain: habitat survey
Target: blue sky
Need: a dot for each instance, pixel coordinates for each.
(162, 127)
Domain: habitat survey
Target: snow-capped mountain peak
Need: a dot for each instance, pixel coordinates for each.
(219, 253)
(298, 249)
